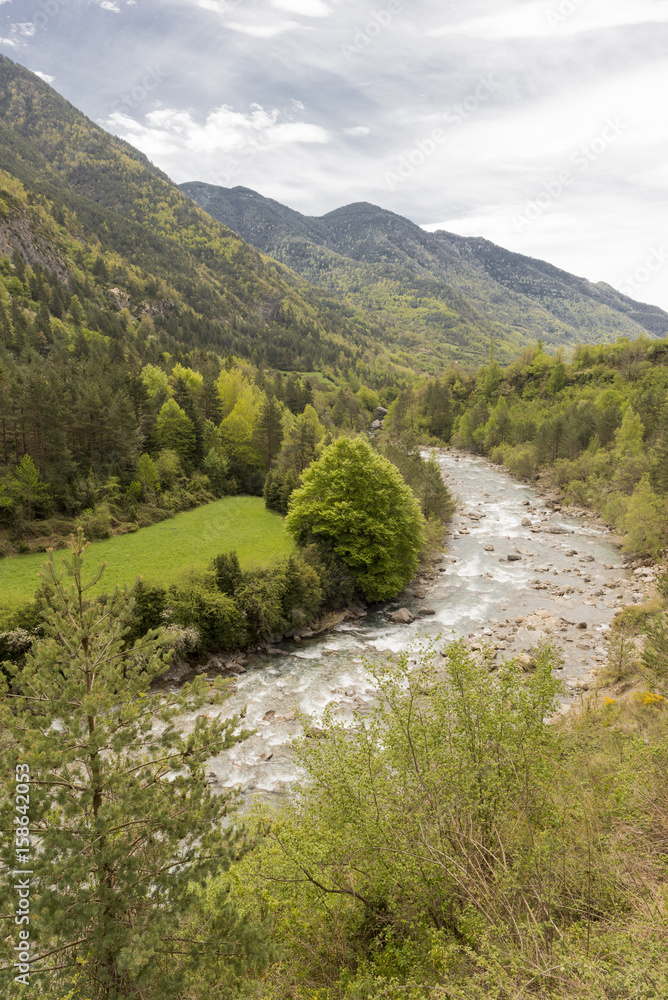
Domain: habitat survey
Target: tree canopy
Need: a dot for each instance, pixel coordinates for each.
(356, 503)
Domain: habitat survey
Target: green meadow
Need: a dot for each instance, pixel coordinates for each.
(164, 550)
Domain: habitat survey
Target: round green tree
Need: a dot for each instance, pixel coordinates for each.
(355, 502)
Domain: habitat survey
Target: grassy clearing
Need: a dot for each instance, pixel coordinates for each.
(162, 551)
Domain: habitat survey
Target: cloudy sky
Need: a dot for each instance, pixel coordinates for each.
(540, 124)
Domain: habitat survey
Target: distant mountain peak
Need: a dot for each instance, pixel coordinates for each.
(510, 296)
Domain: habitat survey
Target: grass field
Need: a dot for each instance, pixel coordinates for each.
(162, 551)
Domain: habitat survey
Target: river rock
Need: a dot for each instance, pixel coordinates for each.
(489, 548)
(420, 593)
(402, 617)
(526, 522)
(426, 612)
(513, 557)
(582, 625)
(177, 673)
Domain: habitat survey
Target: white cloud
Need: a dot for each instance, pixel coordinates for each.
(263, 30)
(307, 8)
(357, 131)
(9, 41)
(25, 28)
(110, 6)
(176, 134)
(550, 18)
(44, 76)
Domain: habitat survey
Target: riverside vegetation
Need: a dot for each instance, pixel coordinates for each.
(454, 846)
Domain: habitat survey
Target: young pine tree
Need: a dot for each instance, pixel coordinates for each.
(125, 831)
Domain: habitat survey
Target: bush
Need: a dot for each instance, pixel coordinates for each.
(150, 603)
(96, 523)
(521, 461)
(216, 616)
(227, 573)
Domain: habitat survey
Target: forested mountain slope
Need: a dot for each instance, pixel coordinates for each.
(202, 285)
(435, 283)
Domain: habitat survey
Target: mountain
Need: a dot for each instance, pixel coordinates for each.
(432, 281)
(80, 193)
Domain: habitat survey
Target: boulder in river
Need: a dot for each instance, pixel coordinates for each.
(426, 612)
(402, 617)
(513, 557)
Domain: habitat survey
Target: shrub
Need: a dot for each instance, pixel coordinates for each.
(521, 461)
(227, 573)
(215, 615)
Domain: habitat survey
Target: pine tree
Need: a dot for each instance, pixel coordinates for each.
(125, 829)
(269, 430)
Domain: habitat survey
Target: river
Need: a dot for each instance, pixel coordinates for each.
(565, 582)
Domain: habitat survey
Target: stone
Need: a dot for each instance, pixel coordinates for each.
(269, 716)
(426, 612)
(526, 522)
(513, 557)
(402, 617)
(525, 661)
(420, 593)
(581, 625)
(489, 548)
(376, 425)
(289, 717)
(177, 673)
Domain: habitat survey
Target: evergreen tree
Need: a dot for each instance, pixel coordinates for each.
(26, 486)
(125, 829)
(269, 430)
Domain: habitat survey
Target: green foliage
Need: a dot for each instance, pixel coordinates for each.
(279, 486)
(147, 474)
(644, 521)
(26, 487)
(175, 431)
(215, 615)
(227, 572)
(356, 501)
(127, 828)
(424, 478)
(216, 468)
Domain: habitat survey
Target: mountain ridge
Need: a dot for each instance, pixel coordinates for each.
(519, 295)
